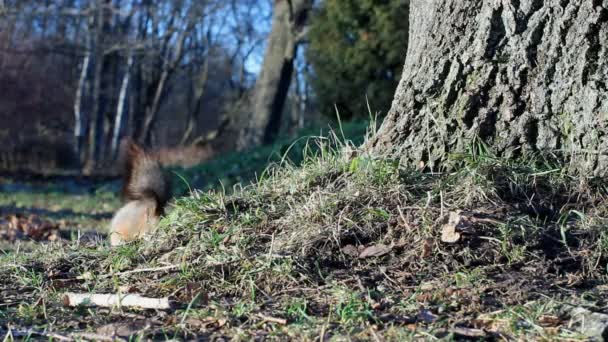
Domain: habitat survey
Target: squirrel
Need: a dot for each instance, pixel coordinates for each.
(145, 192)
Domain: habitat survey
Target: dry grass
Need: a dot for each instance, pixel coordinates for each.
(532, 243)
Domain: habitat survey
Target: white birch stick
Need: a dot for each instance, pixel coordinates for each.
(111, 300)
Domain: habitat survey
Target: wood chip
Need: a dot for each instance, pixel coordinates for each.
(468, 332)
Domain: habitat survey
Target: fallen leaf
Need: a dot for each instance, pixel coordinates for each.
(375, 251)
(427, 248)
(122, 329)
(221, 322)
(200, 323)
(350, 250)
(127, 289)
(549, 321)
(424, 297)
(449, 233)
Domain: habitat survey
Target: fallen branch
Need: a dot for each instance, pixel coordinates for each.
(78, 336)
(281, 321)
(111, 300)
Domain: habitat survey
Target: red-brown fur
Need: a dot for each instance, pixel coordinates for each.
(145, 192)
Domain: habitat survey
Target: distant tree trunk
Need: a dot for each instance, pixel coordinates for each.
(98, 96)
(171, 60)
(263, 119)
(121, 107)
(523, 76)
(94, 126)
(299, 99)
(199, 90)
(80, 112)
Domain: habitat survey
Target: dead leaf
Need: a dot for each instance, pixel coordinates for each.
(201, 323)
(375, 251)
(427, 248)
(221, 322)
(122, 329)
(127, 289)
(549, 321)
(350, 250)
(424, 297)
(457, 293)
(449, 233)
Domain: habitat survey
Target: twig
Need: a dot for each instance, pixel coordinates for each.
(14, 266)
(10, 303)
(55, 336)
(468, 332)
(96, 337)
(111, 300)
(30, 332)
(139, 270)
(281, 321)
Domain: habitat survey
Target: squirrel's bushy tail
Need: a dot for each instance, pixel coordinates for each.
(144, 177)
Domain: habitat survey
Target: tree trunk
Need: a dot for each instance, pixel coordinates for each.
(121, 107)
(171, 61)
(199, 85)
(268, 97)
(521, 75)
(80, 110)
(96, 119)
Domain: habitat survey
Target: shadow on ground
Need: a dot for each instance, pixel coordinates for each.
(53, 214)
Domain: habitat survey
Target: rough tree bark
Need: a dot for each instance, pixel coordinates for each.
(522, 75)
(96, 119)
(262, 119)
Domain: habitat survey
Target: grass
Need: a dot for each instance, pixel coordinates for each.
(241, 168)
(287, 247)
(86, 204)
(76, 210)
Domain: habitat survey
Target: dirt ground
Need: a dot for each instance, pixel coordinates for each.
(331, 250)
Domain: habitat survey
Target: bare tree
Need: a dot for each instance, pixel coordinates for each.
(133, 61)
(121, 107)
(289, 22)
(80, 112)
(170, 62)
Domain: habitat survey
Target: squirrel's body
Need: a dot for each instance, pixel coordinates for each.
(145, 192)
